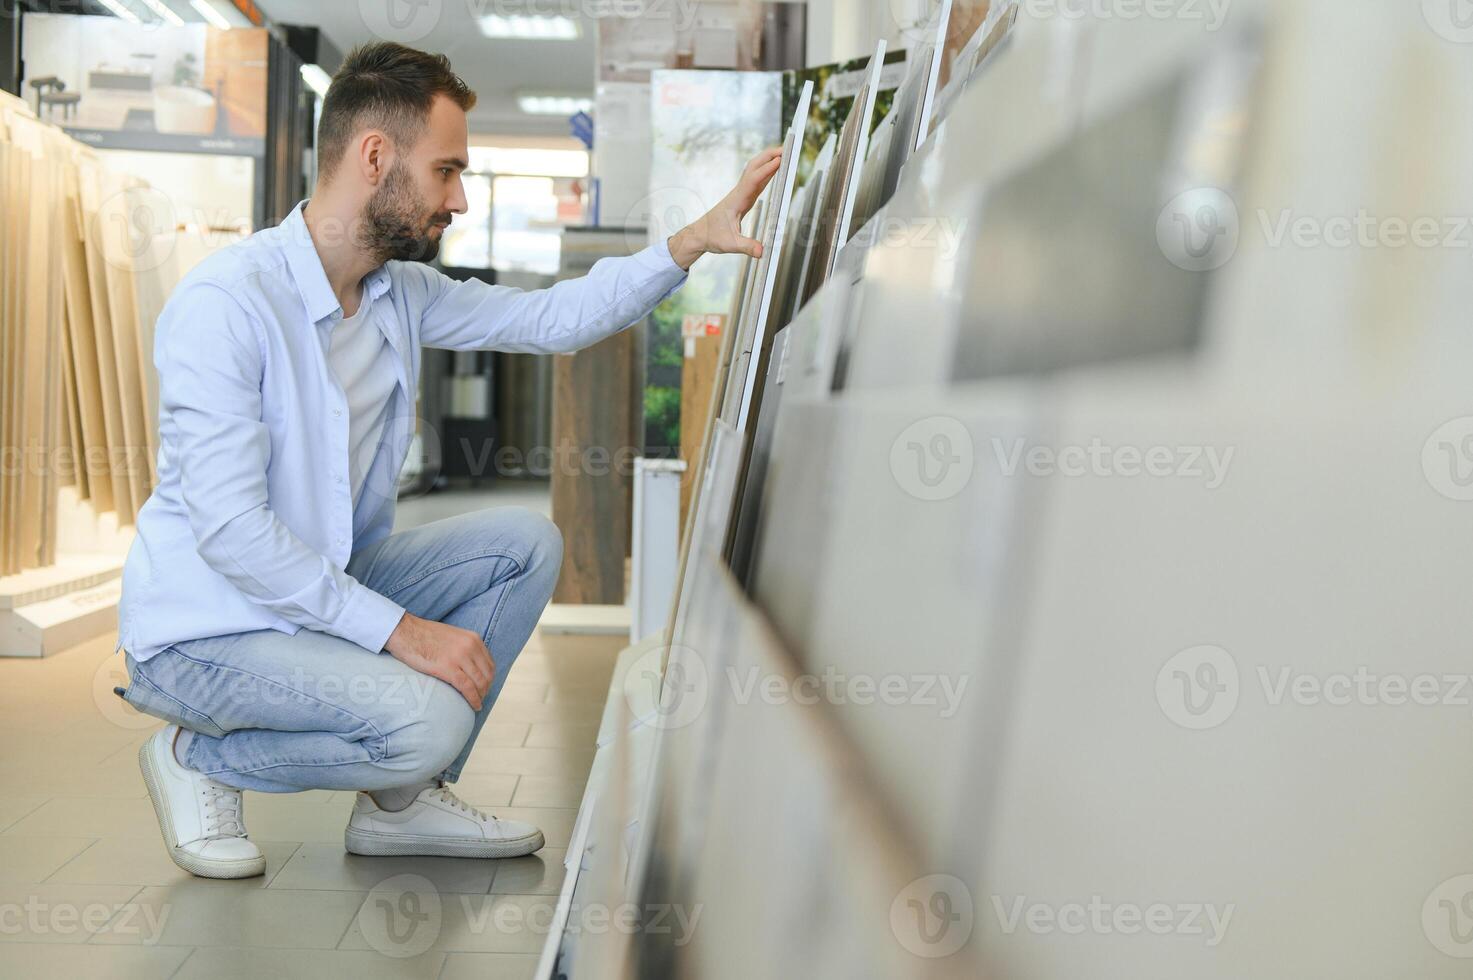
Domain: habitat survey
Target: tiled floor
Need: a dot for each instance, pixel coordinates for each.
(87, 889)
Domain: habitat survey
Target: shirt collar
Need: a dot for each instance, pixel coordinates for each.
(306, 266)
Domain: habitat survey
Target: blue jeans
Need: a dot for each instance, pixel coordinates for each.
(278, 713)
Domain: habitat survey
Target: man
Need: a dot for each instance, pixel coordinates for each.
(287, 366)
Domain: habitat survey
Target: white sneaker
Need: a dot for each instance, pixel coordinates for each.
(437, 823)
(201, 819)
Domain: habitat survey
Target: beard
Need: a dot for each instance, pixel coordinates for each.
(396, 223)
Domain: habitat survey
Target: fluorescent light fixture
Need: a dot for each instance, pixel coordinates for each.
(119, 10)
(553, 105)
(317, 79)
(211, 13)
(523, 27)
(164, 13)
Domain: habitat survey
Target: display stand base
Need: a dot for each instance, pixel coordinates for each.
(587, 620)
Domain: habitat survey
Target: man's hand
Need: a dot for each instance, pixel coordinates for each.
(719, 231)
(456, 656)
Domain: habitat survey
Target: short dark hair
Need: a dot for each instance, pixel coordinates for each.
(386, 86)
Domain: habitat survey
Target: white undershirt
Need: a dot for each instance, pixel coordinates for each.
(361, 358)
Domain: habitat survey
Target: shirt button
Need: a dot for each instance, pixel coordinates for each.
(337, 479)
(337, 413)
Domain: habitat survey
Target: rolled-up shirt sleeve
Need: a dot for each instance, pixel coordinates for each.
(567, 316)
(210, 364)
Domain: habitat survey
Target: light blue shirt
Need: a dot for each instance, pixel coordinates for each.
(252, 521)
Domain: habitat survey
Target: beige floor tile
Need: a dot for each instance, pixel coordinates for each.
(32, 859)
(536, 874)
(499, 734)
(489, 966)
(201, 913)
(565, 763)
(47, 913)
(39, 961)
(548, 791)
(245, 963)
(516, 689)
(544, 712)
(562, 735)
(120, 780)
(485, 789)
(454, 923)
(13, 808)
(284, 817)
(145, 861)
(85, 816)
(329, 867)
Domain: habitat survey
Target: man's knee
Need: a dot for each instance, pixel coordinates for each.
(433, 736)
(542, 543)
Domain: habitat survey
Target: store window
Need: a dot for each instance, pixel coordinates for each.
(518, 200)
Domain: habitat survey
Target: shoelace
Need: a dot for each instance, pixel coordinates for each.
(222, 811)
(444, 793)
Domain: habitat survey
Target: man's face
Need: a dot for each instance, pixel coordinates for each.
(408, 212)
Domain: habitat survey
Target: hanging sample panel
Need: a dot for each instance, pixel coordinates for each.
(837, 209)
(1111, 215)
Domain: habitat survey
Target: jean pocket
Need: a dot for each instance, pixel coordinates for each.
(147, 697)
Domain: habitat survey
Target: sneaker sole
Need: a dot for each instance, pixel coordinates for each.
(374, 844)
(195, 865)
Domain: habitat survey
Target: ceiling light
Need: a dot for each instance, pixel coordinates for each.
(164, 13)
(211, 13)
(317, 79)
(119, 10)
(528, 28)
(553, 105)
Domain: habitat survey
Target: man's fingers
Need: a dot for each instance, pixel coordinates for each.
(463, 683)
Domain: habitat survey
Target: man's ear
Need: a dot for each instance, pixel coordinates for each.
(374, 156)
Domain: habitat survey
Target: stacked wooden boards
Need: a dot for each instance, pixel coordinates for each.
(87, 257)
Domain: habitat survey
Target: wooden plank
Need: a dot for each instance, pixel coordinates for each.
(591, 497)
(97, 484)
(697, 381)
(102, 332)
(120, 243)
(9, 253)
(32, 382)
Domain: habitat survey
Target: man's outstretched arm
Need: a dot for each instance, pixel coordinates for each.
(578, 313)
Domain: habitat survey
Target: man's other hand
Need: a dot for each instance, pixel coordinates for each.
(456, 656)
